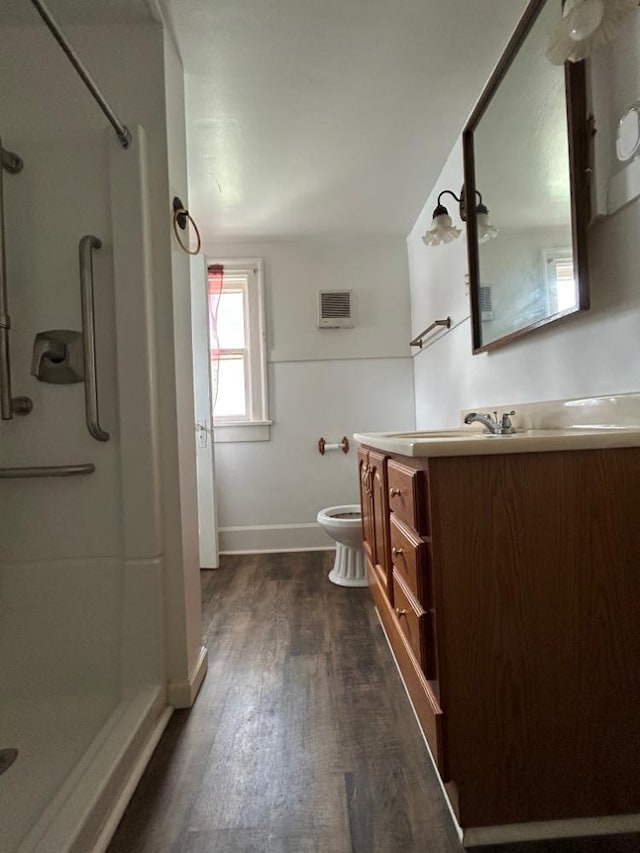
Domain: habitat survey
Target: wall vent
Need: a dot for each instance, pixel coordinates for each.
(486, 307)
(334, 309)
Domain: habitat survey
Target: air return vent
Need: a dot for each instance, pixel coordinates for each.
(334, 309)
(486, 307)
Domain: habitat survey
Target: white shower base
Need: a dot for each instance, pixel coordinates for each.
(78, 804)
(51, 736)
(80, 695)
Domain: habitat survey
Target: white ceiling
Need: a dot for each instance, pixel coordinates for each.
(327, 117)
(316, 117)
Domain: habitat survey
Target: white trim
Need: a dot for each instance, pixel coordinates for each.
(225, 430)
(238, 264)
(274, 359)
(182, 694)
(539, 830)
(248, 431)
(205, 451)
(293, 526)
(273, 538)
(278, 551)
(76, 819)
(128, 789)
(234, 423)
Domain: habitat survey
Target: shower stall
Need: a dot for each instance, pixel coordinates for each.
(82, 611)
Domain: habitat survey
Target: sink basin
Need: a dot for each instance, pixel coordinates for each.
(440, 433)
(469, 440)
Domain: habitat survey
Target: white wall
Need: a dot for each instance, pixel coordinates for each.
(596, 352)
(326, 383)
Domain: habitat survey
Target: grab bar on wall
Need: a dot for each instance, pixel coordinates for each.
(9, 406)
(87, 243)
(417, 341)
(46, 471)
(121, 130)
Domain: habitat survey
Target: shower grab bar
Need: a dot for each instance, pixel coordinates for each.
(87, 243)
(46, 471)
(121, 130)
(9, 406)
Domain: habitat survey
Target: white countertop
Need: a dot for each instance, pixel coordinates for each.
(469, 441)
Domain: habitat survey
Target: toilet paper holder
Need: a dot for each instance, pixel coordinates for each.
(343, 445)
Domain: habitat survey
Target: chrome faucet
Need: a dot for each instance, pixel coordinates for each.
(493, 425)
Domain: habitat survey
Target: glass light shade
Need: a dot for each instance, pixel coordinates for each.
(442, 230)
(486, 231)
(583, 20)
(586, 24)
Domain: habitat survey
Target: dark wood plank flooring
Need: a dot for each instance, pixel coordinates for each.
(302, 739)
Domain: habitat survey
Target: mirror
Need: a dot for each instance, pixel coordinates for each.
(525, 153)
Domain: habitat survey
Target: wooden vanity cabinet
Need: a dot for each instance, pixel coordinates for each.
(372, 467)
(403, 592)
(512, 607)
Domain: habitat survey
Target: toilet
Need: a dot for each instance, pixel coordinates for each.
(344, 524)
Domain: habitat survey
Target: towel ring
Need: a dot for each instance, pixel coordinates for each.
(180, 218)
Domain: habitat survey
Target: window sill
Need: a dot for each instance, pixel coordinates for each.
(242, 431)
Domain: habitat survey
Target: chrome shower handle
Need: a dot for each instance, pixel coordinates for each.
(88, 243)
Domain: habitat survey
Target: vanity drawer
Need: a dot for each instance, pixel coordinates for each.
(407, 495)
(412, 558)
(411, 618)
(425, 703)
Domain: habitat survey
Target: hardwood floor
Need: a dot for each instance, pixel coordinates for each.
(302, 739)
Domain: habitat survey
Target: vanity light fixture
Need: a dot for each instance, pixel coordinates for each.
(442, 229)
(585, 25)
(486, 231)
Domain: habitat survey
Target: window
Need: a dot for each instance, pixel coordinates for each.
(238, 352)
(561, 286)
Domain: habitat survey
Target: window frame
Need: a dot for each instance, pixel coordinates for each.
(255, 426)
(555, 258)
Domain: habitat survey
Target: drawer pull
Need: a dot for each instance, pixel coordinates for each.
(396, 552)
(365, 477)
(401, 612)
(394, 493)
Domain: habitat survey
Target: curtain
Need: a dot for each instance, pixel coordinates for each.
(215, 273)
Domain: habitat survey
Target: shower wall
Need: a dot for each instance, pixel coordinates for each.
(84, 560)
(60, 570)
